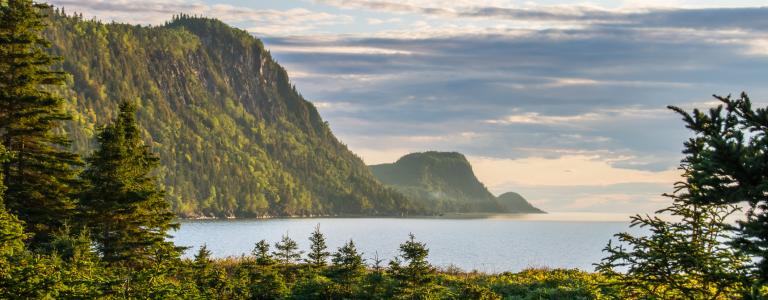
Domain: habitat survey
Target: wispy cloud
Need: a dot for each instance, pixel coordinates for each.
(745, 18)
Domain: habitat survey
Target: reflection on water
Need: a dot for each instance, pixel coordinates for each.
(489, 243)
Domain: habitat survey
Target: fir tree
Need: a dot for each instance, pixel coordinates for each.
(411, 270)
(318, 253)
(347, 262)
(261, 252)
(679, 259)
(348, 267)
(287, 250)
(12, 234)
(725, 164)
(729, 165)
(202, 259)
(41, 174)
(209, 280)
(374, 287)
(123, 206)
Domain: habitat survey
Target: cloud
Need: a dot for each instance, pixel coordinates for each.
(740, 17)
(600, 115)
(536, 118)
(376, 21)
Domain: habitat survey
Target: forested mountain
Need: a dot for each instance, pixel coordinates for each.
(234, 136)
(444, 182)
(512, 201)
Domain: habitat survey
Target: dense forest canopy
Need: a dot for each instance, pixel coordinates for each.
(234, 136)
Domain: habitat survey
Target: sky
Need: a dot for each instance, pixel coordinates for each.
(561, 101)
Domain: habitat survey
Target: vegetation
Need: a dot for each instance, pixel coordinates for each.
(233, 135)
(514, 202)
(121, 204)
(102, 233)
(702, 256)
(445, 182)
(39, 174)
(728, 163)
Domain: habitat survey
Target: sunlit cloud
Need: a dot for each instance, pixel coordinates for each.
(536, 118)
(601, 115)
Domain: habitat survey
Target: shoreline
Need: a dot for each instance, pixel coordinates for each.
(530, 217)
(471, 215)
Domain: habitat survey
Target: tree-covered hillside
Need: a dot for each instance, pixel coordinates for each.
(444, 182)
(512, 201)
(234, 136)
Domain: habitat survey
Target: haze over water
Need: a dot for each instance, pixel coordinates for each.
(494, 244)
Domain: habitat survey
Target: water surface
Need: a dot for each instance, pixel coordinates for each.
(489, 243)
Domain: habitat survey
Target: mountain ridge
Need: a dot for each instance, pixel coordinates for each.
(234, 136)
(445, 182)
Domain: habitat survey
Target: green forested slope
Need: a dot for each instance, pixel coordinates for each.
(234, 136)
(444, 182)
(512, 201)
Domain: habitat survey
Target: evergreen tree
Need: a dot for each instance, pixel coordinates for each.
(202, 259)
(678, 259)
(12, 234)
(287, 250)
(317, 255)
(267, 283)
(415, 278)
(729, 165)
(375, 280)
(348, 267)
(126, 211)
(261, 252)
(41, 174)
(209, 280)
(688, 257)
(347, 262)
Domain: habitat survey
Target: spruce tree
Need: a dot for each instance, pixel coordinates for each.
(348, 266)
(728, 162)
(411, 270)
(202, 261)
(261, 252)
(41, 174)
(12, 234)
(374, 286)
(287, 250)
(210, 281)
(318, 253)
(123, 205)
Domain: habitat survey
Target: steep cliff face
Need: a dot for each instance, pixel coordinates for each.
(234, 136)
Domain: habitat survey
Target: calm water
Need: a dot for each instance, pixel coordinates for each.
(494, 244)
